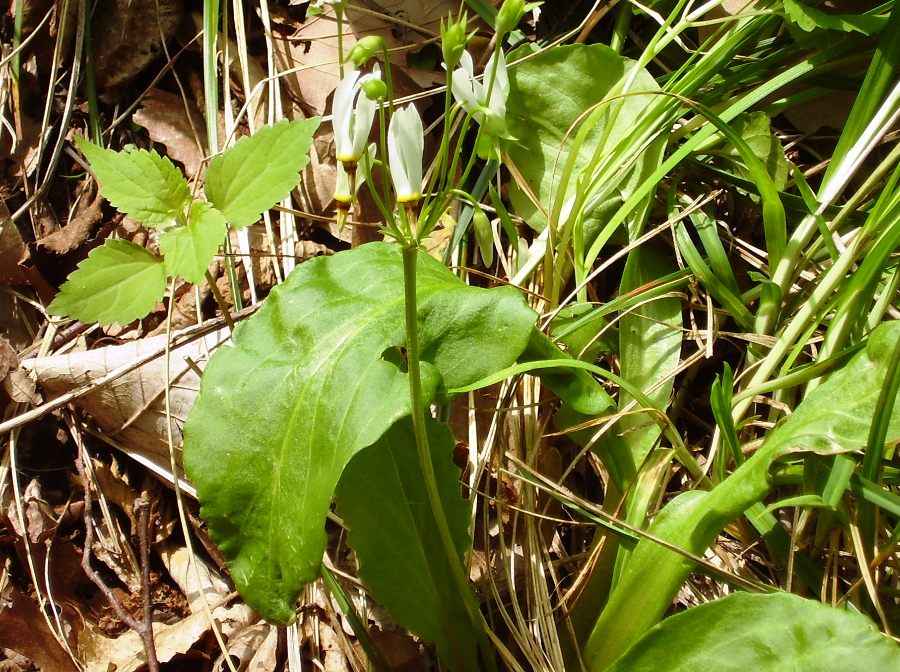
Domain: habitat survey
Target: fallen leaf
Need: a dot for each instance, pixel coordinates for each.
(131, 410)
(128, 35)
(176, 123)
(125, 653)
(24, 630)
(77, 230)
(12, 250)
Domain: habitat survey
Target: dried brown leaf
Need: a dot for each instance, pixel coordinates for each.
(128, 35)
(12, 251)
(77, 230)
(24, 630)
(131, 410)
(176, 123)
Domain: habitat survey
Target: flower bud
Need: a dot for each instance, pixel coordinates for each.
(484, 235)
(374, 89)
(453, 40)
(511, 12)
(365, 49)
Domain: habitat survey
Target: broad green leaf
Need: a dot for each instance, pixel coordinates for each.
(540, 117)
(189, 249)
(118, 282)
(763, 633)
(650, 338)
(383, 502)
(259, 170)
(808, 19)
(313, 378)
(144, 185)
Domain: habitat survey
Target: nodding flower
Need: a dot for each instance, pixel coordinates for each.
(406, 144)
(473, 96)
(346, 185)
(352, 115)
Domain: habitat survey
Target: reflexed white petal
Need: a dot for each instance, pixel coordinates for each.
(364, 114)
(461, 84)
(500, 90)
(342, 114)
(406, 144)
(352, 115)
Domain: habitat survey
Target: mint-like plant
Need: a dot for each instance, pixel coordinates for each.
(121, 281)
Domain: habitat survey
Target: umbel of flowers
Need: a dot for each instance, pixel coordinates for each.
(361, 95)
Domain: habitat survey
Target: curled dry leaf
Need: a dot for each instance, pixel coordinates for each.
(12, 251)
(255, 647)
(125, 653)
(176, 123)
(130, 411)
(77, 230)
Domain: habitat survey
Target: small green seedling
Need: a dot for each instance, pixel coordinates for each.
(121, 281)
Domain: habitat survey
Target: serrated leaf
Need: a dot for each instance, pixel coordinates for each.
(764, 633)
(189, 249)
(144, 185)
(118, 282)
(260, 170)
(311, 380)
(383, 502)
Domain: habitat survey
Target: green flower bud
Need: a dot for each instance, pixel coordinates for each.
(453, 40)
(509, 16)
(365, 49)
(374, 89)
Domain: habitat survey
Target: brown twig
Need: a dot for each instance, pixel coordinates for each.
(144, 628)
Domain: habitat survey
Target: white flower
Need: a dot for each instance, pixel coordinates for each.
(406, 144)
(472, 95)
(352, 116)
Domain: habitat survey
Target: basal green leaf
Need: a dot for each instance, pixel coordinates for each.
(650, 339)
(313, 378)
(577, 387)
(383, 502)
(540, 117)
(118, 282)
(764, 633)
(189, 249)
(259, 170)
(144, 185)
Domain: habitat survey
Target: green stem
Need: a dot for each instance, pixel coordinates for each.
(410, 257)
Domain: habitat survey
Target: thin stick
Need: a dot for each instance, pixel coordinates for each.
(143, 629)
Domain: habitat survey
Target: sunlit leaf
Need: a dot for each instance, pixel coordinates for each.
(189, 249)
(764, 633)
(259, 170)
(541, 119)
(144, 185)
(118, 282)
